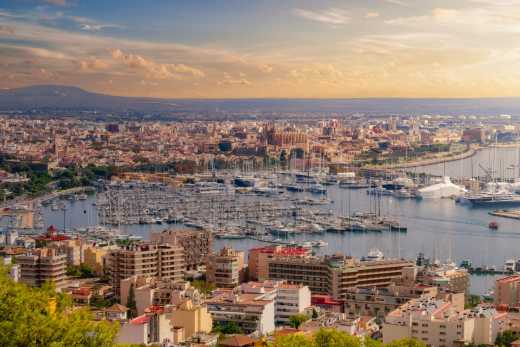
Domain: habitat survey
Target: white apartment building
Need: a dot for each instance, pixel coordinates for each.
(440, 323)
(251, 312)
(273, 302)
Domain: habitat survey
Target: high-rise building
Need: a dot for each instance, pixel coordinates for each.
(225, 268)
(334, 275)
(196, 244)
(507, 291)
(43, 265)
(259, 257)
(160, 260)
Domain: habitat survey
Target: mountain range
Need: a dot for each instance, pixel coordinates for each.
(69, 100)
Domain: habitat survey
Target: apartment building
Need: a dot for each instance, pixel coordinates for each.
(259, 257)
(196, 244)
(151, 291)
(163, 261)
(443, 323)
(251, 312)
(448, 278)
(507, 291)
(94, 258)
(41, 265)
(290, 299)
(225, 269)
(379, 301)
(334, 275)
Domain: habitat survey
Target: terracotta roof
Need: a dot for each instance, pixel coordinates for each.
(140, 320)
(237, 341)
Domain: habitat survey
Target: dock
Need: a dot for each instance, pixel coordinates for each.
(512, 214)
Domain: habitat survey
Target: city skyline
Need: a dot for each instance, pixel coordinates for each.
(235, 49)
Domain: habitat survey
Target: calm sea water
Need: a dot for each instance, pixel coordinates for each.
(441, 229)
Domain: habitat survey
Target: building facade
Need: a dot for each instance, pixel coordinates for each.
(335, 275)
(163, 261)
(43, 265)
(196, 244)
(225, 269)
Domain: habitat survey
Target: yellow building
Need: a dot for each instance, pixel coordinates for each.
(93, 258)
(192, 318)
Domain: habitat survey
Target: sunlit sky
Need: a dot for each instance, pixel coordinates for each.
(258, 49)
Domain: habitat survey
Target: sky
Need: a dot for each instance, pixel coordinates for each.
(264, 49)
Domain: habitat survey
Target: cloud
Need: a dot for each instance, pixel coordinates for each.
(88, 24)
(230, 80)
(154, 69)
(318, 72)
(92, 64)
(471, 20)
(397, 2)
(372, 14)
(6, 30)
(267, 68)
(57, 2)
(334, 16)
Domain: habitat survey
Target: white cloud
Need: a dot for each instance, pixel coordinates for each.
(230, 80)
(330, 16)
(397, 2)
(154, 69)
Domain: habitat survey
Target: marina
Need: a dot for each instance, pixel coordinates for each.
(246, 217)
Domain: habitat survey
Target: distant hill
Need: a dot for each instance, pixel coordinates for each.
(67, 100)
(74, 98)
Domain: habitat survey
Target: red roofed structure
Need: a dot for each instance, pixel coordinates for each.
(327, 303)
(258, 259)
(51, 235)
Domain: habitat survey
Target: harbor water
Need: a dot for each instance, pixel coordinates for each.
(441, 229)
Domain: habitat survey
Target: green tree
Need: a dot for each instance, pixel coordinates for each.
(293, 340)
(203, 286)
(406, 343)
(131, 304)
(28, 318)
(226, 328)
(506, 338)
(335, 338)
(298, 319)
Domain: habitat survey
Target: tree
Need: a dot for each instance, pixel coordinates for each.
(335, 338)
(506, 338)
(40, 317)
(203, 286)
(406, 343)
(298, 319)
(226, 328)
(293, 340)
(131, 304)
(314, 314)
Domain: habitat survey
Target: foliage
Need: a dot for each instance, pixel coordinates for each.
(293, 340)
(203, 286)
(472, 301)
(27, 318)
(405, 343)
(298, 319)
(506, 338)
(226, 328)
(335, 338)
(131, 304)
(82, 271)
